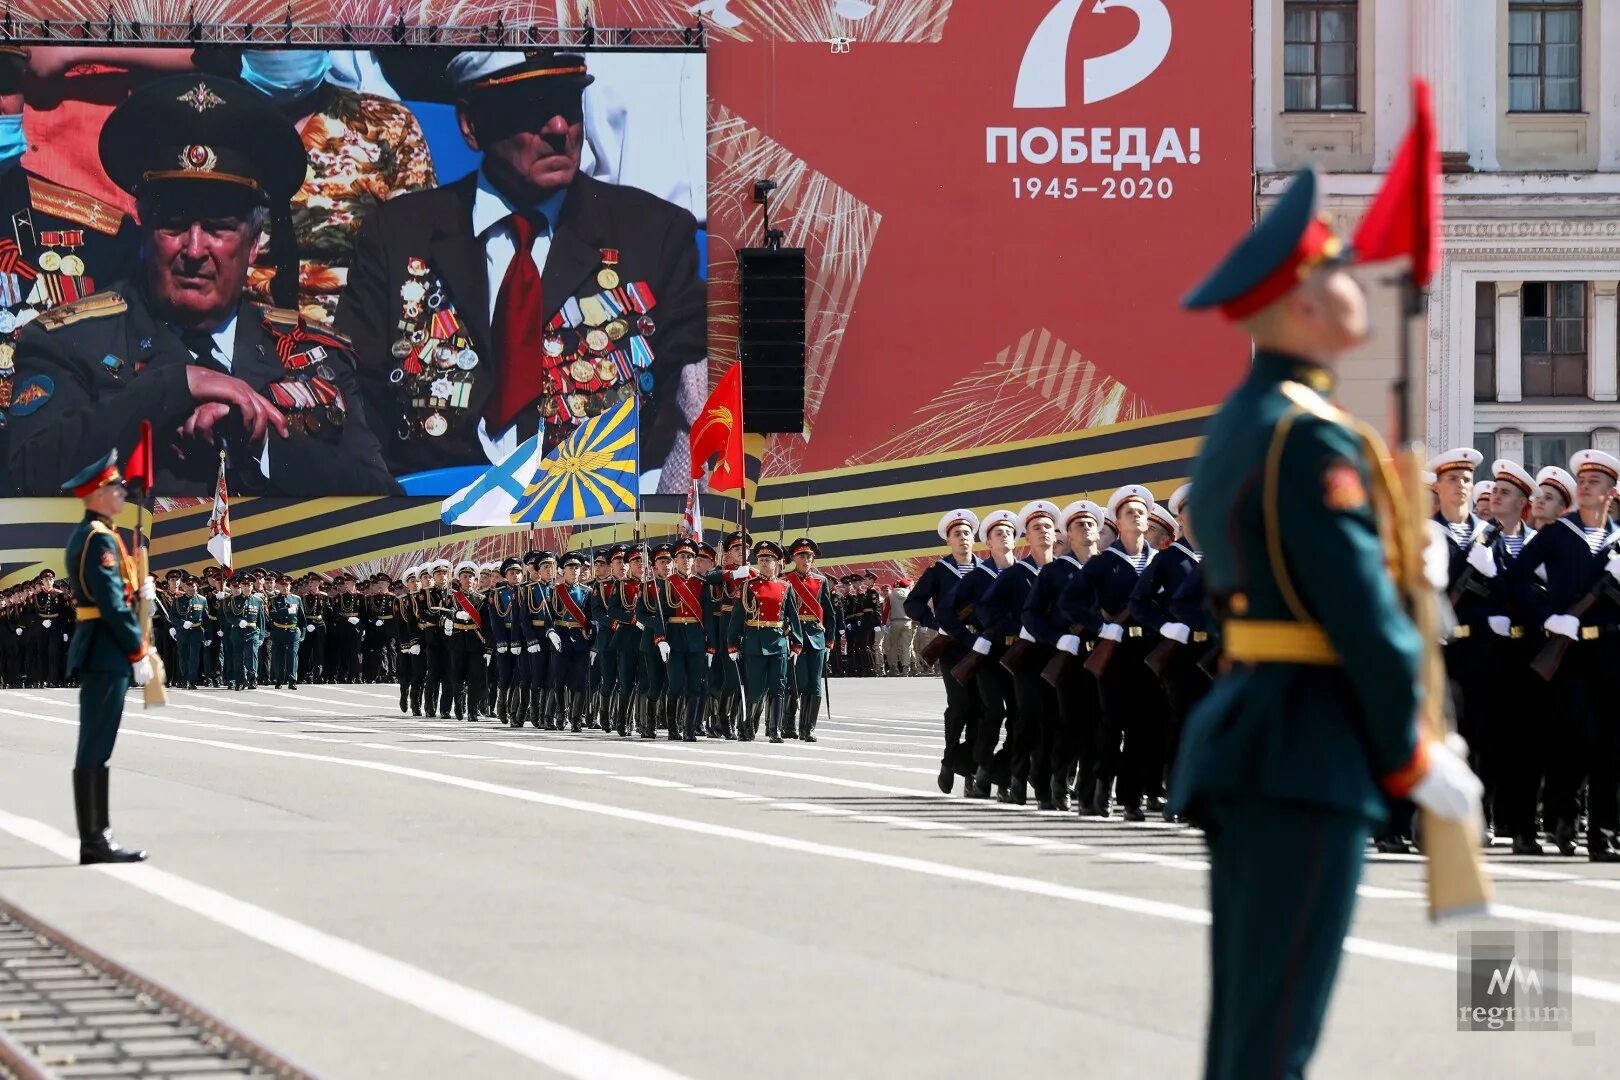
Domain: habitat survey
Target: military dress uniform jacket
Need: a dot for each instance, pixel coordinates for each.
(101, 574)
(1149, 602)
(1001, 608)
(571, 616)
(1101, 591)
(88, 373)
(1555, 570)
(818, 618)
(681, 613)
(766, 620)
(961, 619)
(1041, 615)
(935, 592)
(1333, 727)
(421, 244)
(286, 615)
(1473, 605)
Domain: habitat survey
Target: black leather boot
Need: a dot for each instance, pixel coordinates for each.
(773, 721)
(790, 709)
(1060, 792)
(694, 716)
(809, 713)
(979, 786)
(96, 843)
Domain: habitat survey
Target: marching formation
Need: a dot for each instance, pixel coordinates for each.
(1072, 674)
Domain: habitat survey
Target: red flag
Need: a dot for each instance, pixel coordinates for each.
(1405, 217)
(138, 472)
(719, 430)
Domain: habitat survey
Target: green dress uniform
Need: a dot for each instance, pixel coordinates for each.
(106, 640)
(819, 620)
(243, 618)
(192, 623)
(726, 676)
(1287, 761)
(286, 615)
(680, 625)
(624, 649)
(765, 631)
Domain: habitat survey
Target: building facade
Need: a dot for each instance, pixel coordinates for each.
(1520, 356)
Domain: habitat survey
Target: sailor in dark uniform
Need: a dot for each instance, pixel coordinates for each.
(180, 344)
(465, 349)
(932, 604)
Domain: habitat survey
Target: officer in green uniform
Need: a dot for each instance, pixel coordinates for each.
(242, 616)
(724, 584)
(1288, 761)
(654, 664)
(107, 651)
(286, 615)
(819, 619)
(604, 649)
(765, 631)
(192, 622)
(679, 637)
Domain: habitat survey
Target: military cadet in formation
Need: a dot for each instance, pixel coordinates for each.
(570, 636)
(724, 587)
(344, 616)
(244, 622)
(165, 636)
(408, 640)
(764, 630)
(605, 675)
(992, 680)
(932, 604)
(678, 636)
(377, 618)
(286, 617)
(626, 628)
(658, 714)
(533, 619)
(506, 639)
(192, 624)
(312, 649)
(44, 638)
(818, 620)
(465, 628)
(437, 629)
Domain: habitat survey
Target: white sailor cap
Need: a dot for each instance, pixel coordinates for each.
(1553, 476)
(1483, 489)
(493, 568)
(1126, 494)
(1511, 472)
(1178, 499)
(1081, 506)
(954, 518)
(1595, 461)
(439, 564)
(1038, 508)
(466, 566)
(1462, 457)
(999, 517)
(410, 572)
(1165, 519)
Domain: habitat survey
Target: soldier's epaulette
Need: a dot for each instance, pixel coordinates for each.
(74, 206)
(1315, 404)
(95, 306)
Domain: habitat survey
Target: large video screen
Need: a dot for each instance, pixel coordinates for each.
(347, 272)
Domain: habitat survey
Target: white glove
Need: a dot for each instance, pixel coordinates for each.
(354, 620)
(663, 651)
(739, 573)
(377, 622)
(241, 624)
(186, 625)
(500, 648)
(535, 647)
(1449, 789)
(1613, 567)
(219, 633)
(141, 670)
(309, 628)
(1500, 625)
(449, 628)
(1481, 559)
(19, 631)
(1176, 631)
(148, 589)
(556, 642)
(1111, 632)
(1437, 556)
(710, 657)
(174, 633)
(46, 623)
(416, 650)
(982, 646)
(64, 637)
(1567, 625)
(1025, 635)
(1069, 643)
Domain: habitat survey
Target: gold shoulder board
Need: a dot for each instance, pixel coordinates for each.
(95, 306)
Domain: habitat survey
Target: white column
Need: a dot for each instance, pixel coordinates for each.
(1437, 51)
(1509, 445)
(1481, 40)
(1606, 440)
(1391, 58)
(1267, 60)
(1603, 346)
(1509, 366)
(1608, 103)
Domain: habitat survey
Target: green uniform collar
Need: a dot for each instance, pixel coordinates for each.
(1277, 367)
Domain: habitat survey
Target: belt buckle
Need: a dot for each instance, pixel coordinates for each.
(1515, 632)
(1591, 633)
(1134, 631)
(1462, 632)
(1200, 636)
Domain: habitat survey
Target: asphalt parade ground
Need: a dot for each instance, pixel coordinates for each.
(372, 895)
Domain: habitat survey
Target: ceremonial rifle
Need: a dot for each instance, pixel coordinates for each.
(1551, 656)
(1470, 580)
(1020, 656)
(934, 651)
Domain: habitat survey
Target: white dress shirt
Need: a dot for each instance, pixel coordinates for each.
(224, 348)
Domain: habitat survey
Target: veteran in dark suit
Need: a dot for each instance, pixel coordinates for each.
(524, 293)
(1288, 761)
(179, 344)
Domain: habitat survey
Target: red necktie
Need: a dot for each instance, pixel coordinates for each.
(517, 330)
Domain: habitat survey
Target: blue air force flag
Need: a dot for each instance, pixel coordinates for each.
(591, 475)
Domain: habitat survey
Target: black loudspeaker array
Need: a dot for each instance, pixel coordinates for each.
(770, 338)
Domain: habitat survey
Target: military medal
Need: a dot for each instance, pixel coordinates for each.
(581, 371)
(607, 277)
(7, 364)
(576, 404)
(435, 425)
(548, 408)
(401, 348)
(617, 329)
(645, 325)
(597, 340)
(50, 262)
(552, 344)
(412, 292)
(606, 369)
(396, 376)
(466, 359)
(415, 267)
(73, 266)
(412, 309)
(442, 388)
(8, 322)
(444, 356)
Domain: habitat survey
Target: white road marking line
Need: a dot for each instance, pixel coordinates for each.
(581, 770)
(723, 793)
(545, 1042)
(651, 781)
(811, 808)
(909, 823)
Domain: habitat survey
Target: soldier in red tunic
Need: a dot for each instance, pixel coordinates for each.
(765, 631)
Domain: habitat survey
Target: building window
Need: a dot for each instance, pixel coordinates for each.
(1319, 56)
(1544, 56)
(1485, 443)
(1553, 339)
(1542, 450)
(1485, 341)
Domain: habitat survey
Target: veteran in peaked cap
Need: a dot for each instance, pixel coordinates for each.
(180, 343)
